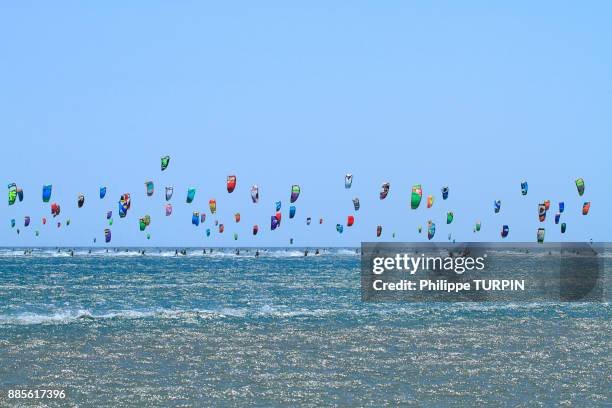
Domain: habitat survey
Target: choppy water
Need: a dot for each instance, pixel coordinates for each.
(122, 329)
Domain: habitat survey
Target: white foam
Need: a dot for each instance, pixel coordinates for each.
(166, 252)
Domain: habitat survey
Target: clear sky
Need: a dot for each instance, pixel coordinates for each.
(473, 95)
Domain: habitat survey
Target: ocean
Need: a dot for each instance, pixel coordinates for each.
(122, 329)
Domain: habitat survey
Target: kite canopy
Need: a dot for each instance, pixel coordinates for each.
(44, 220)
(420, 229)
(255, 229)
(308, 221)
(444, 193)
(505, 231)
(561, 206)
(107, 235)
(292, 211)
(350, 221)
(202, 217)
(208, 232)
(13, 223)
(190, 194)
(585, 207)
(541, 235)
(580, 186)
(348, 180)
(478, 225)
(295, 193)
(415, 198)
(12, 193)
(150, 188)
(165, 161)
(290, 241)
(55, 209)
(26, 221)
(431, 229)
(237, 217)
(235, 236)
(126, 200)
(449, 217)
(81, 200)
(320, 221)
(142, 224)
(221, 228)
(212, 204)
(356, 203)
(169, 192)
(109, 214)
(278, 217)
(557, 218)
(278, 205)
(124, 205)
(563, 228)
(255, 194)
(231, 183)
(168, 208)
(46, 193)
(542, 212)
(378, 230)
(497, 205)
(273, 223)
(547, 204)
(195, 218)
(339, 228)
(524, 188)
(20, 194)
(384, 190)
(430, 201)
(102, 192)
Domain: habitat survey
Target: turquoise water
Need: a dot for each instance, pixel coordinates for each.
(121, 329)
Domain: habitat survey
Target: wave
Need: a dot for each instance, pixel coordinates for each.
(85, 315)
(284, 312)
(70, 316)
(171, 253)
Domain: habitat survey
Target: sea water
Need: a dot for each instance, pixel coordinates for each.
(119, 329)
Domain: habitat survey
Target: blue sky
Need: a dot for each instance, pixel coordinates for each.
(472, 95)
